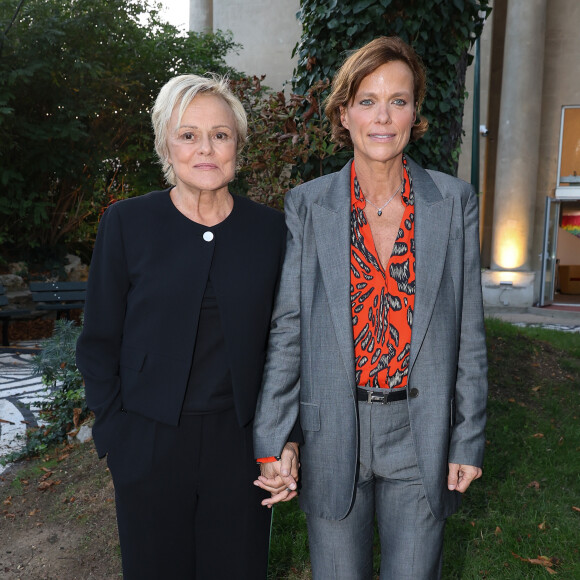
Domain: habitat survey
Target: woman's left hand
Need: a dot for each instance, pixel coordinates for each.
(461, 476)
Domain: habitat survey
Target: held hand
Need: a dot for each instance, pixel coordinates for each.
(280, 477)
(461, 476)
(289, 463)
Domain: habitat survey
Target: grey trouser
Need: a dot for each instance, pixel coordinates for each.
(389, 486)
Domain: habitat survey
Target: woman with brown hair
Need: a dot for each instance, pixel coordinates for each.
(377, 341)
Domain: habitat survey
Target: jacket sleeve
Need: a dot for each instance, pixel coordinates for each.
(276, 419)
(468, 436)
(99, 345)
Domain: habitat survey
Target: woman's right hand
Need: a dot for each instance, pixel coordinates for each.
(280, 477)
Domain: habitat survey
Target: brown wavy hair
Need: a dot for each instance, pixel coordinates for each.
(360, 64)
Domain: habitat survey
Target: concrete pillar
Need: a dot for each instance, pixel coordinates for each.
(518, 136)
(201, 15)
(268, 30)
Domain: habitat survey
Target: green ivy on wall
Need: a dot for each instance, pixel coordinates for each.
(441, 31)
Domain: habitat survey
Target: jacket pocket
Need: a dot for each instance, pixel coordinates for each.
(132, 358)
(310, 417)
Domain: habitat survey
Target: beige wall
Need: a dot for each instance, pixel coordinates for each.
(561, 87)
(267, 29)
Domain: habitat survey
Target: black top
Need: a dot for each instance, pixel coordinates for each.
(209, 389)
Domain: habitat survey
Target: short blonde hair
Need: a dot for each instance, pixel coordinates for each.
(360, 64)
(181, 90)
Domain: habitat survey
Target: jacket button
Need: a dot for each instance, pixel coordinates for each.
(414, 393)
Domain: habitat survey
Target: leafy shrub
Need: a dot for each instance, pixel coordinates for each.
(77, 80)
(64, 407)
(284, 135)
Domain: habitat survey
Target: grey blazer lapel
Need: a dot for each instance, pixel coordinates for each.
(432, 223)
(331, 223)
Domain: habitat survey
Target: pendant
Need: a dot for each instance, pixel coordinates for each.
(380, 213)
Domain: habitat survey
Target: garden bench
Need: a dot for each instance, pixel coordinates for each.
(61, 297)
(8, 314)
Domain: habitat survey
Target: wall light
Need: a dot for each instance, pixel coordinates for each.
(510, 248)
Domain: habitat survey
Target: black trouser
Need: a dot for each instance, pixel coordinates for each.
(186, 505)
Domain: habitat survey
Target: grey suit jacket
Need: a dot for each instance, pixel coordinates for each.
(310, 369)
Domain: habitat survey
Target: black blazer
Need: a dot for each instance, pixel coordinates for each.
(146, 283)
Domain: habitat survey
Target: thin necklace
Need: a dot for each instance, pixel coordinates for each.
(380, 209)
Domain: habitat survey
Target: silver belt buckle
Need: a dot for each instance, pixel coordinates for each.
(375, 397)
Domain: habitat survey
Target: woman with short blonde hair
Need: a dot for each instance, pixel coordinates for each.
(180, 293)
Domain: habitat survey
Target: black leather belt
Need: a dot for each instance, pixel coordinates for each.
(382, 396)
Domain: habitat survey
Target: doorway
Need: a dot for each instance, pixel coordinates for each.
(560, 273)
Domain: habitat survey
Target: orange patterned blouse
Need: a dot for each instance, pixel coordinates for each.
(382, 300)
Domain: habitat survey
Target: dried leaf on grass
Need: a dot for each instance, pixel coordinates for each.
(44, 485)
(76, 416)
(66, 453)
(47, 474)
(547, 563)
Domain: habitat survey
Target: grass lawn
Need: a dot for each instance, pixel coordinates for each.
(522, 519)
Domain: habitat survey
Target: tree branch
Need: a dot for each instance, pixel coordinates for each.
(5, 33)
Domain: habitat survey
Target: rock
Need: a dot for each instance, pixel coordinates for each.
(12, 282)
(81, 435)
(18, 268)
(85, 434)
(75, 270)
(73, 262)
(79, 274)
